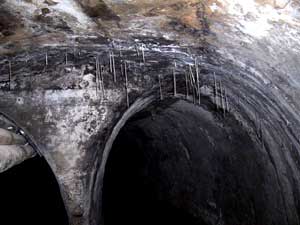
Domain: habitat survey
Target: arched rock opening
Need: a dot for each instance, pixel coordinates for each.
(30, 194)
(177, 163)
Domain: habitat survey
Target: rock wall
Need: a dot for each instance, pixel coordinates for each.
(73, 73)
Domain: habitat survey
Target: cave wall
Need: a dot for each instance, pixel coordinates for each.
(54, 62)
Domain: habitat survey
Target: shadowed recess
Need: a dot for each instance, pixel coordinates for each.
(177, 163)
(30, 194)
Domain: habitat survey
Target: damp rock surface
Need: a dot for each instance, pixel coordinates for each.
(71, 71)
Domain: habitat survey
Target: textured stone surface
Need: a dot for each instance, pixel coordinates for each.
(12, 155)
(52, 86)
(10, 138)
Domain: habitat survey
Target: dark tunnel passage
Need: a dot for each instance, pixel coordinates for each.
(30, 194)
(138, 179)
(177, 163)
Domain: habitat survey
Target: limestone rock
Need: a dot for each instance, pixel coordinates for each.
(50, 2)
(9, 138)
(98, 9)
(11, 155)
(281, 3)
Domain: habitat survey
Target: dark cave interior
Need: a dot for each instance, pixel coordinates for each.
(218, 143)
(30, 194)
(136, 184)
(177, 163)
